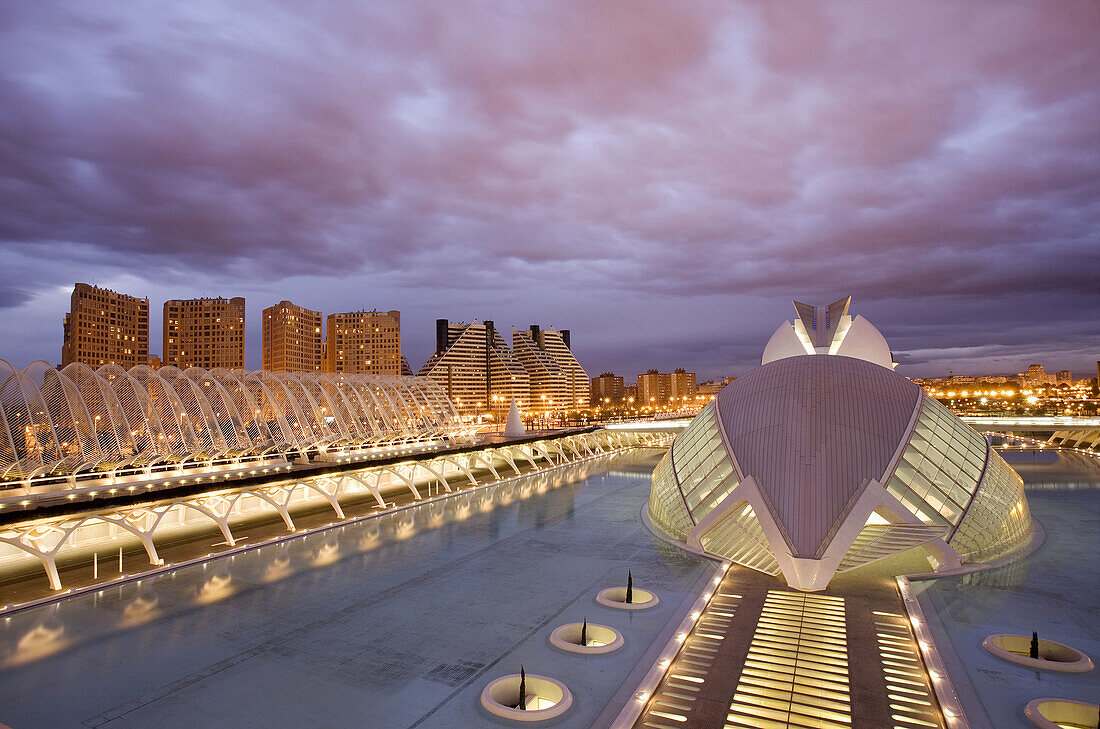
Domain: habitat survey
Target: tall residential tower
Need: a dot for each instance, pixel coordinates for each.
(205, 333)
(477, 369)
(364, 341)
(291, 338)
(558, 382)
(105, 327)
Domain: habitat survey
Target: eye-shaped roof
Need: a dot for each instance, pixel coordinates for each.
(812, 430)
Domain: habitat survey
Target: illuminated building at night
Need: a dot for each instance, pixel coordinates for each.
(291, 338)
(606, 388)
(477, 369)
(666, 389)
(205, 333)
(364, 341)
(823, 459)
(557, 380)
(105, 327)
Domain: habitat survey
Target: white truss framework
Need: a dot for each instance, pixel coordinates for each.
(45, 539)
(78, 420)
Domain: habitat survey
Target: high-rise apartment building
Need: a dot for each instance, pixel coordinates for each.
(657, 389)
(1037, 375)
(291, 338)
(558, 382)
(477, 369)
(364, 341)
(105, 327)
(205, 333)
(606, 389)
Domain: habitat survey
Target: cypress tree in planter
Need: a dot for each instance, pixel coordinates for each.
(522, 690)
(1034, 644)
(629, 587)
(584, 632)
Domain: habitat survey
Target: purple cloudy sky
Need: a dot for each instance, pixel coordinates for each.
(660, 178)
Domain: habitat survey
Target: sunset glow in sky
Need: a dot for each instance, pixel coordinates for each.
(660, 178)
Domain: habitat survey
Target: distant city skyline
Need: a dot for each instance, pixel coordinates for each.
(253, 346)
(662, 180)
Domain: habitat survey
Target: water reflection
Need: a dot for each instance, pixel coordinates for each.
(42, 640)
(141, 610)
(1009, 576)
(217, 587)
(279, 568)
(328, 553)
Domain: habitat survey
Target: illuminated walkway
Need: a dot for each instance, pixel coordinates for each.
(763, 656)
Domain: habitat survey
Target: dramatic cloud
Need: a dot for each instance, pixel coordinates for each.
(660, 178)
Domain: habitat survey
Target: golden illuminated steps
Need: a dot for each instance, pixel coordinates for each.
(768, 657)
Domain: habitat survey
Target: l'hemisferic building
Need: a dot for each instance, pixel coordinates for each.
(824, 459)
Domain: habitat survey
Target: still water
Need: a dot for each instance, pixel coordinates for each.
(1054, 591)
(394, 622)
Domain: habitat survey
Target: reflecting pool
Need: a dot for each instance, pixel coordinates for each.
(1054, 591)
(394, 622)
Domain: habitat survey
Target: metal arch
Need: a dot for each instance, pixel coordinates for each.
(227, 417)
(327, 411)
(268, 411)
(436, 401)
(122, 522)
(78, 445)
(34, 445)
(255, 426)
(529, 451)
(544, 451)
(294, 411)
(391, 407)
(150, 440)
(45, 540)
(360, 410)
(71, 421)
(329, 497)
(407, 401)
(374, 410)
(221, 520)
(199, 412)
(439, 396)
(309, 407)
(342, 408)
(180, 437)
(108, 420)
(281, 507)
(48, 558)
(398, 413)
(509, 455)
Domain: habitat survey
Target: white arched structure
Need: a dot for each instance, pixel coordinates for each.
(46, 539)
(813, 465)
(79, 421)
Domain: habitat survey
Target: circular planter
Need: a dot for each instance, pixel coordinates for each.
(601, 639)
(1054, 713)
(501, 696)
(1052, 656)
(615, 597)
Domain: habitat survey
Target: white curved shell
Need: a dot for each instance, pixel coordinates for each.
(784, 343)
